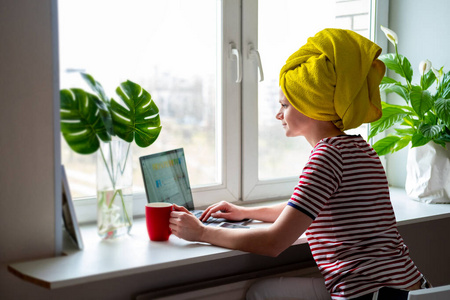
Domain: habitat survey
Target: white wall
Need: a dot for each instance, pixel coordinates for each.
(27, 140)
(423, 29)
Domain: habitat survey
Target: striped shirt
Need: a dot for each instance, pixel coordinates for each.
(353, 236)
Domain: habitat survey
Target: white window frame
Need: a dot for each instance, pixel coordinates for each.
(380, 16)
(229, 120)
(253, 188)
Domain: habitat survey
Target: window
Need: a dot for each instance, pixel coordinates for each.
(172, 49)
(272, 19)
(184, 54)
(272, 162)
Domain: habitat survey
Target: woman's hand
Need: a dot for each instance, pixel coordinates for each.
(224, 210)
(185, 225)
(271, 240)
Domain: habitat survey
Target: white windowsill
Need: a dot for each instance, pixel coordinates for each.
(135, 254)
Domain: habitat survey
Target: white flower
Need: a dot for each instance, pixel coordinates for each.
(391, 35)
(424, 67)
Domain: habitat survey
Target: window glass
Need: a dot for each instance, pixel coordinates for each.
(283, 27)
(168, 47)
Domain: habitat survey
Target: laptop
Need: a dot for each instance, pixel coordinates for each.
(166, 180)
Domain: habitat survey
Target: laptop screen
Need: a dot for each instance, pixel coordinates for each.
(166, 178)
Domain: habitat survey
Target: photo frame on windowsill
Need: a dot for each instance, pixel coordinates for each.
(68, 213)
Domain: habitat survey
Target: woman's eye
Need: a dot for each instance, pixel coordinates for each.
(284, 105)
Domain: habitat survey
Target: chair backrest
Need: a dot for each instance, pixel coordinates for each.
(435, 293)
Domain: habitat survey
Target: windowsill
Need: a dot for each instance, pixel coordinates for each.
(135, 254)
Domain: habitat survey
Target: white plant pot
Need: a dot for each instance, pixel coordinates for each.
(428, 173)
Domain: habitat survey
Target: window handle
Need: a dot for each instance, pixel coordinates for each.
(254, 54)
(233, 51)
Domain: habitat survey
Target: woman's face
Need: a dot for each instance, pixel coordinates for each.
(294, 122)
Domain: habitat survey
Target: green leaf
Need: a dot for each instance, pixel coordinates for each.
(428, 79)
(418, 140)
(446, 86)
(387, 87)
(95, 86)
(443, 110)
(402, 143)
(405, 131)
(103, 103)
(404, 107)
(430, 131)
(139, 121)
(408, 121)
(440, 142)
(386, 145)
(395, 88)
(443, 138)
(105, 115)
(402, 66)
(387, 80)
(391, 115)
(81, 124)
(421, 101)
(430, 118)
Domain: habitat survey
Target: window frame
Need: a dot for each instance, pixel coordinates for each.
(253, 188)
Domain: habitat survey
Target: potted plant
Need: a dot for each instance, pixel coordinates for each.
(423, 122)
(92, 122)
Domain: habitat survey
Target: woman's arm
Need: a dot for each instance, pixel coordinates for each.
(233, 212)
(269, 241)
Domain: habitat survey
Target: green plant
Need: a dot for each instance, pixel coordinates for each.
(88, 119)
(425, 117)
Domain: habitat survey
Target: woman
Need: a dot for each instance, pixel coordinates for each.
(342, 199)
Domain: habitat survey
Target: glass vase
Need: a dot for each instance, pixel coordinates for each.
(114, 189)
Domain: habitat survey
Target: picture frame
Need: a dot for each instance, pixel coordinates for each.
(68, 213)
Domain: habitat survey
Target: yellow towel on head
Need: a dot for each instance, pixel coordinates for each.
(335, 77)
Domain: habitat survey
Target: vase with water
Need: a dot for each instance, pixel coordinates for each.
(114, 189)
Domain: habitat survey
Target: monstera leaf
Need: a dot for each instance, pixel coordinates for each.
(105, 102)
(87, 119)
(139, 120)
(82, 122)
(95, 86)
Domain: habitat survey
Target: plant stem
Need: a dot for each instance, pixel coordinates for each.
(107, 169)
(126, 159)
(111, 158)
(113, 197)
(124, 208)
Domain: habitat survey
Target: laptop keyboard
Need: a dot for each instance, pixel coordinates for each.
(217, 221)
(198, 214)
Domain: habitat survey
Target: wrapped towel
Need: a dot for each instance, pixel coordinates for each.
(335, 77)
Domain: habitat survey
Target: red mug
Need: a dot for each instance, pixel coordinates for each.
(157, 217)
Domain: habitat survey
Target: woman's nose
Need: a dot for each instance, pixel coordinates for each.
(279, 115)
